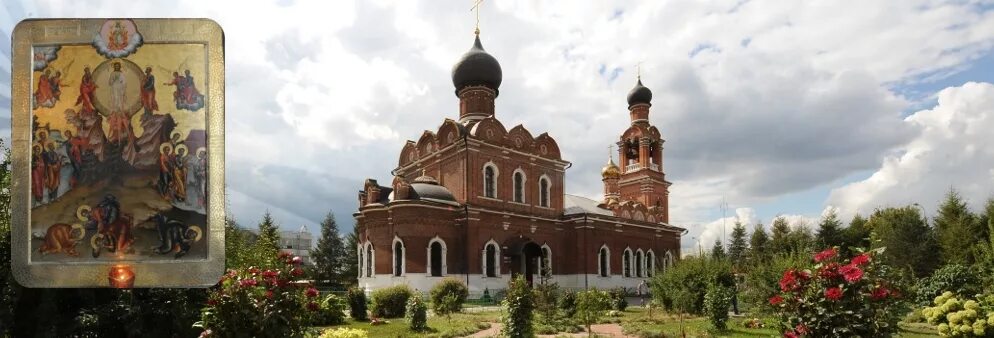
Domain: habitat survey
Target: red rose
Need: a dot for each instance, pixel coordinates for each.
(253, 270)
(804, 274)
(247, 282)
(860, 260)
(879, 293)
(312, 306)
(851, 273)
(789, 281)
(825, 255)
(776, 300)
(833, 293)
(297, 272)
(789, 334)
(311, 292)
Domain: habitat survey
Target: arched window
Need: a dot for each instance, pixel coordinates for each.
(519, 186)
(437, 257)
(491, 259)
(398, 257)
(650, 263)
(626, 263)
(490, 180)
(370, 267)
(667, 261)
(639, 264)
(545, 264)
(361, 264)
(543, 191)
(604, 261)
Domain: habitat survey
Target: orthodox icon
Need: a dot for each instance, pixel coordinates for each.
(109, 172)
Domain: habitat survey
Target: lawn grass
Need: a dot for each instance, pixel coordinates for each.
(460, 325)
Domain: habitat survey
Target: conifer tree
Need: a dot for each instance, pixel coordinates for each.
(330, 254)
(758, 243)
(956, 229)
(236, 249)
(830, 231)
(909, 241)
(267, 247)
(780, 236)
(857, 235)
(737, 247)
(351, 269)
(718, 251)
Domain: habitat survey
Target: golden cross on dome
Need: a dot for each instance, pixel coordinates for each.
(610, 152)
(476, 7)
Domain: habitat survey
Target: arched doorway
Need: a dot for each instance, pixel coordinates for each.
(524, 257)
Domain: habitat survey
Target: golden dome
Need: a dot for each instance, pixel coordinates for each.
(610, 170)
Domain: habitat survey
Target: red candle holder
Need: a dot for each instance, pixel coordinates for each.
(121, 277)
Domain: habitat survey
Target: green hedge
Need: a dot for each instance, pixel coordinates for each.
(390, 302)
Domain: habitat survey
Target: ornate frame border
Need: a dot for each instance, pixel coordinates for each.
(196, 273)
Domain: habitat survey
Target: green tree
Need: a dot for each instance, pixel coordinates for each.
(590, 306)
(984, 251)
(956, 229)
(799, 239)
(830, 231)
(7, 283)
(718, 250)
(738, 246)
(857, 235)
(266, 248)
(330, 254)
(516, 309)
(350, 270)
(909, 241)
(237, 252)
(758, 243)
(779, 239)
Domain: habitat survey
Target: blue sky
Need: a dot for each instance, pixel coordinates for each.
(777, 107)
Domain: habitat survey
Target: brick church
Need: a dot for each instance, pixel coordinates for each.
(479, 202)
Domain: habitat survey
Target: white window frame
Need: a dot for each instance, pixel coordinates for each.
(483, 172)
(496, 259)
(514, 188)
(371, 268)
(667, 261)
(631, 257)
(441, 242)
(639, 263)
(607, 259)
(547, 203)
(403, 257)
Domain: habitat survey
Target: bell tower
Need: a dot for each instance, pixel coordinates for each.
(640, 150)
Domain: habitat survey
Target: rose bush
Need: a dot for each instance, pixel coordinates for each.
(259, 303)
(836, 297)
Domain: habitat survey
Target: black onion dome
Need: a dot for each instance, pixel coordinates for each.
(639, 94)
(476, 68)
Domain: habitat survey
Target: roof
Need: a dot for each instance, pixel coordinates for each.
(573, 205)
(432, 192)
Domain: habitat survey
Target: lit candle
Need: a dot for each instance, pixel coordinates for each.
(121, 276)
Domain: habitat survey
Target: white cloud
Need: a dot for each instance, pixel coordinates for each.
(952, 150)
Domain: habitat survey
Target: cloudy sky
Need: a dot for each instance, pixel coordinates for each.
(777, 107)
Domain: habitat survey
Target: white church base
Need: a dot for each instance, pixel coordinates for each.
(477, 283)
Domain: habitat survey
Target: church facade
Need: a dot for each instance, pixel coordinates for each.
(480, 202)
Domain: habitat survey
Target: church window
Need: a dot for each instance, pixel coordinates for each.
(626, 263)
(639, 264)
(604, 262)
(491, 266)
(490, 181)
(543, 192)
(369, 260)
(519, 185)
(398, 257)
(650, 263)
(436, 257)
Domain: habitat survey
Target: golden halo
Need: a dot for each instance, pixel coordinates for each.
(37, 149)
(102, 97)
(175, 135)
(201, 150)
(163, 147)
(94, 239)
(50, 145)
(80, 210)
(41, 132)
(198, 231)
(181, 147)
(82, 231)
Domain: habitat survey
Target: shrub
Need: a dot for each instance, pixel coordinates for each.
(960, 280)
(567, 303)
(717, 300)
(618, 300)
(837, 297)
(259, 303)
(417, 313)
(344, 333)
(357, 303)
(761, 281)
(516, 309)
(448, 296)
(688, 280)
(591, 305)
(956, 316)
(545, 303)
(390, 302)
(331, 312)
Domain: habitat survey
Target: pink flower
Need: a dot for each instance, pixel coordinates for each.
(311, 292)
(248, 282)
(801, 329)
(269, 274)
(206, 333)
(860, 260)
(851, 273)
(297, 272)
(826, 255)
(776, 300)
(789, 281)
(833, 293)
(297, 260)
(312, 306)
